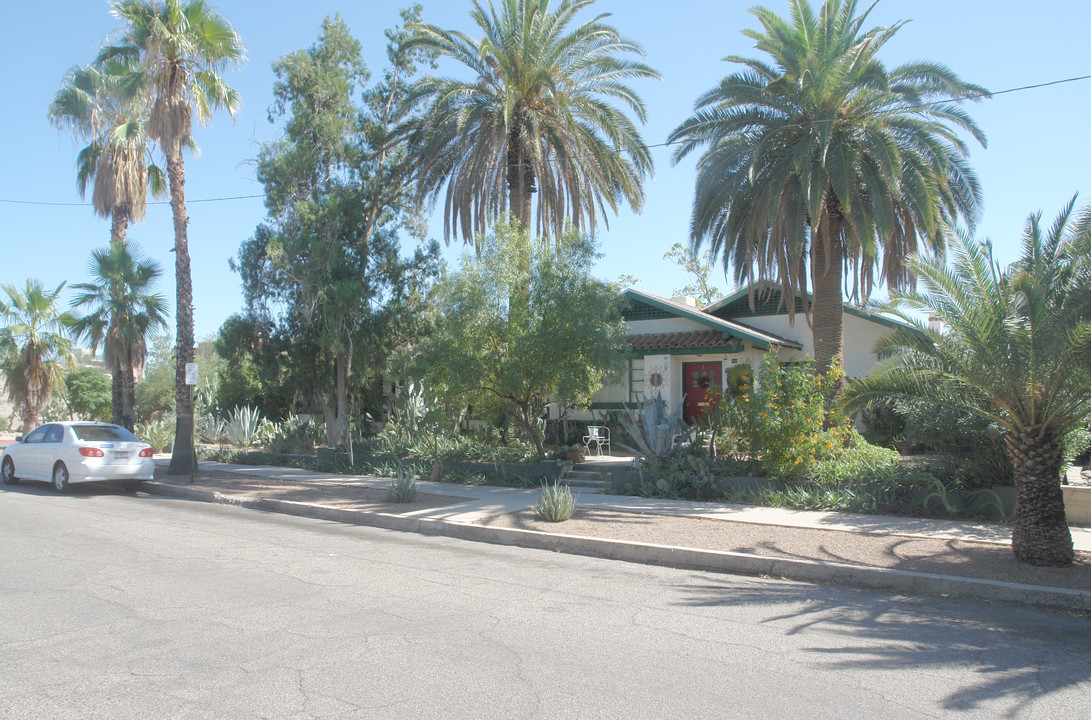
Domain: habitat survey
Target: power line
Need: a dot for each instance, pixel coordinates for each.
(155, 202)
(976, 96)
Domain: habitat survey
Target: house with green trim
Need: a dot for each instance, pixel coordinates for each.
(677, 348)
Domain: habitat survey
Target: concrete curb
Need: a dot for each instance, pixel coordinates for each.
(816, 571)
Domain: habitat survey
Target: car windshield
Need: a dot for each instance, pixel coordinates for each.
(101, 433)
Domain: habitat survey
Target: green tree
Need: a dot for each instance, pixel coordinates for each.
(700, 286)
(155, 389)
(122, 311)
(88, 394)
(181, 48)
(543, 112)
(502, 353)
(255, 371)
(1015, 350)
(35, 347)
(825, 162)
(338, 200)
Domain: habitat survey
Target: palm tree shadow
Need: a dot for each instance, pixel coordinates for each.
(1017, 654)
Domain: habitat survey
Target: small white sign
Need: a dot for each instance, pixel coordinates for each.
(191, 373)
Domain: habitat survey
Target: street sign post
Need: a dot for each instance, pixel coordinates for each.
(191, 381)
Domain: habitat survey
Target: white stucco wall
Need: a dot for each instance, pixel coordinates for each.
(660, 364)
(860, 337)
(617, 391)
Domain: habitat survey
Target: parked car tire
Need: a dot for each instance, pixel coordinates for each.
(130, 486)
(7, 473)
(60, 477)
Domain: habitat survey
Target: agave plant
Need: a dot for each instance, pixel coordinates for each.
(654, 430)
(556, 503)
(403, 488)
(244, 426)
(158, 434)
(209, 428)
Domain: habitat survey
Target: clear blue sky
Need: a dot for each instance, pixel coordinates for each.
(1038, 153)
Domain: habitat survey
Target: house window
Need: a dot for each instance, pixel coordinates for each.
(636, 379)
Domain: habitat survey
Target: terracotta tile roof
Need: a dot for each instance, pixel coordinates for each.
(697, 338)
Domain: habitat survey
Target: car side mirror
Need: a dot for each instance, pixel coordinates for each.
(18, 438)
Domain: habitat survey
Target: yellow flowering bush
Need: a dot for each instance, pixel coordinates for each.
(785, 414)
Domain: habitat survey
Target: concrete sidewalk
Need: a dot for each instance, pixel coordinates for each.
(487, 501)
(479, 503)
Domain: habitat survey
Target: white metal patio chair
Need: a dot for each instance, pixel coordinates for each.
(599, 436)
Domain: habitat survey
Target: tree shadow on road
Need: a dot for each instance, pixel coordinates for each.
(1018, 654)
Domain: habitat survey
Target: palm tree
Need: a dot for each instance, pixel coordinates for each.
(536, 117)
(34, 347)
(1016, 351)
(825, 162)
(107, 107)
(181, 47)
(123, 312)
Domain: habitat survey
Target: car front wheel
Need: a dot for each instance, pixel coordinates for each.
(60, 477)
(7, 472)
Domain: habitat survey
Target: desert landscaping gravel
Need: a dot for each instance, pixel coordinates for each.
(945, 557)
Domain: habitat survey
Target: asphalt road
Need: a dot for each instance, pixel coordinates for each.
(114, 606)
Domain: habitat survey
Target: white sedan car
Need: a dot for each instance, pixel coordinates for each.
(69, 452)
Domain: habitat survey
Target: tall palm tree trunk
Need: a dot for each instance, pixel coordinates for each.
(117, 394)
(119, 224)
(521, 178)
(182, 459)
(119, 231)
(128, 390)
(828, 317)
(1040, 535)
(521, 183)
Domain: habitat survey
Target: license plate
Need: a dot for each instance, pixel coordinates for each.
(121, 455)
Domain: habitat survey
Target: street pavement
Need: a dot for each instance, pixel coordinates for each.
(120, 606)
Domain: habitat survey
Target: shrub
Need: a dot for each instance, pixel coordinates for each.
(440, 445)
(973, 445)
(556, 503)
(690, 474)
(887, 489)
(780, 422)
(296, 434)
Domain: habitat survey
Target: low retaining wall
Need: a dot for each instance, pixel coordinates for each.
(547, 470)
(1077, 504)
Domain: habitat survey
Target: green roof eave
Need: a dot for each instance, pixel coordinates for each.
(850, 309)
(700, 316)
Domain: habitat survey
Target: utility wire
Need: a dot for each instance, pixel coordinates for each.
(155, 202)
(976, 96)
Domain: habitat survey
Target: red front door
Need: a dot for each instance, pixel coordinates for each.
(698, 376)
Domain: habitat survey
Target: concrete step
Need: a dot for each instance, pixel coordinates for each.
(585, 481)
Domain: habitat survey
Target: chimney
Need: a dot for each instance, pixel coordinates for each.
(686, 300)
